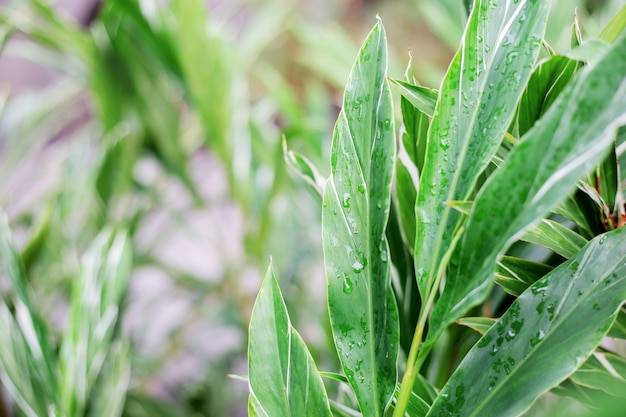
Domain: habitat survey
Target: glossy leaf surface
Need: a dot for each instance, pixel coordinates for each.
(422, 98)
(362, 307)
(546, 83)
(556, 237)
(514, 275)
(566, 143)
(475, 107)
(541, 339)
(283, 378)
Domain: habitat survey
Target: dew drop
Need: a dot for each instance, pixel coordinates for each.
(537, 337)
(347, 285)
(361, 188)
(345, 200)
(357, 267)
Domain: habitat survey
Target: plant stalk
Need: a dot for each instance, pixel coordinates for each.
(415, 360)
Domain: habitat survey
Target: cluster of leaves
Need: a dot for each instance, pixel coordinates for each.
(508, 174)
(90, 372)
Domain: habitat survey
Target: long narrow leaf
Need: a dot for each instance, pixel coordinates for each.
(97, 294)
(565, 144)
(541, 339)
(283, 378)
(363, 311)
(475, 106)
(37, 357)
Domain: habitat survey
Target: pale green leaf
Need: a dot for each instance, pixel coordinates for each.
(615, 26)
(362, 307)
(545, 84)
(541, 339)
(283, 378)
(305, 169)
(422, 98)
(96, 297)
(478, 324)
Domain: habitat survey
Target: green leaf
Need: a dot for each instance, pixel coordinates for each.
(603, 371)
(568, 142)
(556, 237)
(362, 307)
(305, 169)
(19, 365)
(607, 184)
(283, 378)
(546, 83)
(423, 99)
(615, 26)
(96, 297)
(30, 352)
(619, 327)
(541, 339)
(112, 385)
(475, 107)
(514, 275)
(478, 324)
(206, 72)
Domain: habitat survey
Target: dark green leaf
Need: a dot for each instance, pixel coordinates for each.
(475, 106)
(619, 327)
(514, 275)
(615, 26)
(546, 83)
(96, 296)
(305, 169)
(541, 340)
(568, 142)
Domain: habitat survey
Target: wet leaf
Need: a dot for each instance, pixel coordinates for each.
(362, 307)
(514, 275)
(556, 237)
(572, 137)
(283, 378)
(542, 338)
(475, 107)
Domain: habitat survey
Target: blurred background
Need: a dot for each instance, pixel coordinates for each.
(166, 118)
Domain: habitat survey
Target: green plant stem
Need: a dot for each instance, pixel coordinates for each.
(413, 366)
(416, 356)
